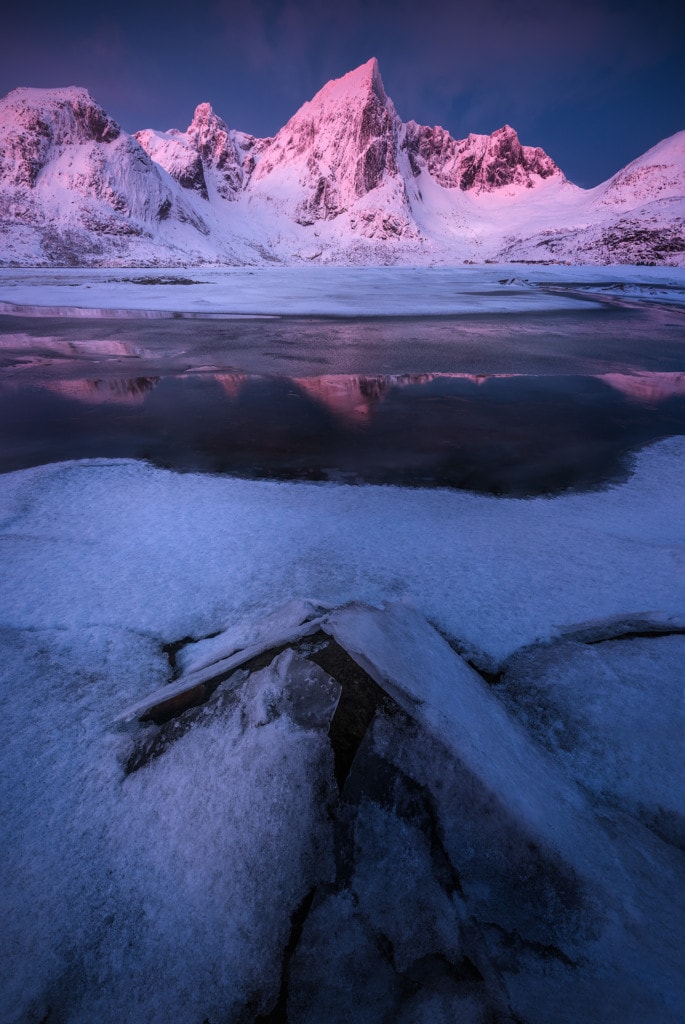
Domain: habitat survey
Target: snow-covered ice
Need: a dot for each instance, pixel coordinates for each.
(587, 704)
(188, 870)
(321, 291)
(124, 545)
(334, 291)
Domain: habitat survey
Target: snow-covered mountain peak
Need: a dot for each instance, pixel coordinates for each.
(657, 174)
(34, 121)
(207, 152)
(206, 129)
(482, 163)
(338, 154)
(356, 86)
(69, 114)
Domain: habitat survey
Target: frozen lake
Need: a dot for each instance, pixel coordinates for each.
(498, 403)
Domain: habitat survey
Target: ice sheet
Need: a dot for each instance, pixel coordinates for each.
(333, 291)
(613, 714)
(337, 291)
(122, 544)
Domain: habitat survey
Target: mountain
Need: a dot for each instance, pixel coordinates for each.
(75, 185)
(345, 180)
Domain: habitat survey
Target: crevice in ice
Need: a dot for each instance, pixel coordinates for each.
(376, 779)
(624, 627)
(516, 946)
(360, 699)
(638, 634)
(171, 719)
(279, 1014)
(157, 737)
(480, 661)
(172, 648)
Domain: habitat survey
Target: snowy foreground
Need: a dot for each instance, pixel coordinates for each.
(334, 291)
(360, 825)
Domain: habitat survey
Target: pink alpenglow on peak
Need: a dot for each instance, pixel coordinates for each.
(207, 157)
(344, 181)
(478, 162)
(36, 120)
(337, 149)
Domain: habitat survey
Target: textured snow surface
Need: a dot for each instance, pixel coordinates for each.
(165, 895)
(586, 703)
(121, 544)
(169, 893)
(335, 291)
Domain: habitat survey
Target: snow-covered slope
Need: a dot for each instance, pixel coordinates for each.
(344, 181)
(74, 188)
(637, 216)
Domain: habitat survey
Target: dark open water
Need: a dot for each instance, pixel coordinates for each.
(508, 404)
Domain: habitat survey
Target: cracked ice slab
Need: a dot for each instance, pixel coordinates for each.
(404, 654)
(217, 656)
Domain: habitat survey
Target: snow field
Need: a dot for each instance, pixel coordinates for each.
(121, 544)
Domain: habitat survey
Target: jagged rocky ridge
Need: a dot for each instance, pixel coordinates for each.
(345, 180)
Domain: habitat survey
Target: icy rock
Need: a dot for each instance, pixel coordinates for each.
(249, 633)
(210, 660)
(296, 688)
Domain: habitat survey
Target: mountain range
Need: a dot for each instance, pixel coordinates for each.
(344, 181)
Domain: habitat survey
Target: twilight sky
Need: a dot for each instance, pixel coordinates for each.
(594, 82)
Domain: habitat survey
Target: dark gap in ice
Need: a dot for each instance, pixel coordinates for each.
(171, 707)
(437, 964)
(175, 716)
(638, 634)
(666, 824)
(517, 945)
(195, 696)
(360, 699)
(160, 280)
(160, 735)
(174, 646)
(279, 1014)
(481, 662)
(621, 627)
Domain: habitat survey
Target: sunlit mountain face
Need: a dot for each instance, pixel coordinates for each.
(345, 180)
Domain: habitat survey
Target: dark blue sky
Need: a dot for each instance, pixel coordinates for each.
(594, 82)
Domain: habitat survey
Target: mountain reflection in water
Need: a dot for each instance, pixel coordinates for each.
(499, 434)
